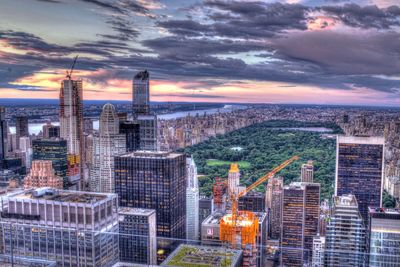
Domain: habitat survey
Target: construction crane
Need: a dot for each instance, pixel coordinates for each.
(69, 73)
(233, 221)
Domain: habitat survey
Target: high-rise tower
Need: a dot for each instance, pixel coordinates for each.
(155, 180)
(71, 127)
(141, 111)
(141, 93)
(359, 170)
(3, 134)
(300, 221)
(345, 234)
(108, 144)
(192, 201)
(307, 172)
(21, 129)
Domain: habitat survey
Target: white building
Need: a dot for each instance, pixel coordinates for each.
(192, 201)
(318, 251)
(307, 172)
(108, 144)
(74, 228)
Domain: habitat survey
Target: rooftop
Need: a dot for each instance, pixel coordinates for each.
(52, 194)
(151, 154)
(135, 211)
(368, 140)
(385, 213)
(205, 256)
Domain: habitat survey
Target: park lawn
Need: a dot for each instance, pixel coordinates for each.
(216, 163)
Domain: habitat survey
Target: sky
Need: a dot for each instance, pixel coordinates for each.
(293, 51)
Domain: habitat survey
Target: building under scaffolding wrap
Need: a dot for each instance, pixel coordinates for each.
(241, 234)
(219, 195)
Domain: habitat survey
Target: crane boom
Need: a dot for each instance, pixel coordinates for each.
(69, 73)
(235, 197)
(267, 176)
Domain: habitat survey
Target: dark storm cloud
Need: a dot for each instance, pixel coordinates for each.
(365, 17)
(343, 54)
(242, 20)
(206, 50)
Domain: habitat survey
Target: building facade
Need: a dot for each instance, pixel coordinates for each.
(3, 134)
(318, 251)
(141, 93)
(359, 170)
(141, 111)
(384, 237)
(274, 193)
(21, 129)
(50, 131)
(56, 151)
(131, 130)
(300, 222)
(307, 172)
(73, 228)
(137, 236)
(108, 144)
(42, 175)
(345, 234)
(71, 128)
(192, 201)
(155, 180)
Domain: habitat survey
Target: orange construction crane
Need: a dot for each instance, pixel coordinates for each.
(233, 221)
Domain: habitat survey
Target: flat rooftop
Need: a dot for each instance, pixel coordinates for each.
(367, 140)
(385, 213)
(204, 256)
(135, 211)
(151, 154)
(52, 194)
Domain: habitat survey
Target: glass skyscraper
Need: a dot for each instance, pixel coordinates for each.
(359, 170)
(384, 237)
(155, 180)
(345, 234)
(54, 150)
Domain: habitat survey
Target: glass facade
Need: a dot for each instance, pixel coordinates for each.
(384, 237)
(54, 150)
(155, 180)
(360, 170)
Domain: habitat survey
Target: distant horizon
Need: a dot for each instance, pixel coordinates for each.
(30, 100)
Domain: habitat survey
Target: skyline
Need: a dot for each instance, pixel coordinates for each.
(303, 52)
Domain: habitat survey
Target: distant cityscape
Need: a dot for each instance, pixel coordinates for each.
(108, 185)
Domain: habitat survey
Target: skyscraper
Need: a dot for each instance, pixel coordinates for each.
(131, 130)
(137, 236)
(106, 146)
(307, 172)
(141, 111)
(71, 128)
(300, 221)
(50, 131)
(42, 175)
(345, 234)
(359, 170)
(384, 237)
(21, 128)
(318, 251)
(74, 228)
(3, 134)
(54, 150)
(192, 201)
(273, 201)
(141, 93)
(155, 180)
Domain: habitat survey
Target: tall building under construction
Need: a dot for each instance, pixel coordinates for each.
(71, 128)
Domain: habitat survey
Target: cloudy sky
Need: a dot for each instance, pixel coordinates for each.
(310, 51)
